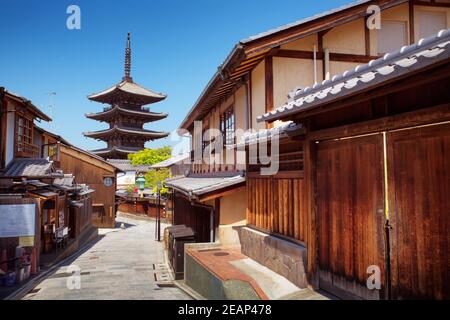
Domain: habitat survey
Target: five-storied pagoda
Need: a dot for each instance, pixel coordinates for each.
(126, 116)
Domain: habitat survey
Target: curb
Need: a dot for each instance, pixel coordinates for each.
(188, 290)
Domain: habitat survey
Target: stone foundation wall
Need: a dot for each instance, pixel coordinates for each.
(281, 256)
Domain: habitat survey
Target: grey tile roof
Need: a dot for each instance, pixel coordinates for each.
(31, 168)
(126, 166)
(172, 161)
(128, 87)
(108, 151)
(126, 130)
(238, 50)
(67, 180)
(44, 193)
(266, 134)
(408, 59)
(142, 113)
(195, 186)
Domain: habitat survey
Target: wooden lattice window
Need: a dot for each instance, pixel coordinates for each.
(24, 135)
(227, 126)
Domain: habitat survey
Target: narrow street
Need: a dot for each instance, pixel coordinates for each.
(120, 264)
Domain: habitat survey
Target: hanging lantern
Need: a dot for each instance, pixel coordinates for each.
(140, 182)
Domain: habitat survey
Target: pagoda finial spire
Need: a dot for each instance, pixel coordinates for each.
(127, 76)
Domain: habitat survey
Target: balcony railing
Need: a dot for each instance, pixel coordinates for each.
(26, 150)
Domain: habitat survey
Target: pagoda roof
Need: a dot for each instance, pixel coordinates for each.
(129, 91)
(151, 135)
(115, 150)
(145, 115)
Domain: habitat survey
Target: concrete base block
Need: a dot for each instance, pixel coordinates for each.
(281, 256)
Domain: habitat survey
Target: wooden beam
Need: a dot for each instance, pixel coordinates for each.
(269, 83)
(430, 4)
(367, 38)
(356, 58)
(341, 57)
(421, 117)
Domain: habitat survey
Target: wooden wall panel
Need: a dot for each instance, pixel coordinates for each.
(350, 213)
(93, 175)
(197, 218)
(419, 168)
(276, 206)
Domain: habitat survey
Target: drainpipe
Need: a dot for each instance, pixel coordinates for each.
(212, 211)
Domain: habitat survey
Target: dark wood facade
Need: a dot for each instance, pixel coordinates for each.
(194, 216)
(93, 171)
(375, 193)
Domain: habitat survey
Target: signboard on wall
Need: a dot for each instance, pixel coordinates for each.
(17, 220)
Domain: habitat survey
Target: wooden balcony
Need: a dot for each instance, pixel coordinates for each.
(26, 150)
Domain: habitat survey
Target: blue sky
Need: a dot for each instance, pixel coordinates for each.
(176, 48)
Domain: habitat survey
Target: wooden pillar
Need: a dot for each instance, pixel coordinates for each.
(216, 219)
(310, 205)
(367, 38)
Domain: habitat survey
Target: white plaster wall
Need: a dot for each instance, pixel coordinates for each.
(258, 95)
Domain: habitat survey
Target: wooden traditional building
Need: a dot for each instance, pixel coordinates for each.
(100, 175)
(376, 178)
(280, 218)
(42, 210)
(126, 116)
(88, 169)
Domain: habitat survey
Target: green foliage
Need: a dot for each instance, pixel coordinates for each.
(150, 156)
(130, 189)
(153, 177)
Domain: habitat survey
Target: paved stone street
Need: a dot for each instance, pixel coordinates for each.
(121, 264)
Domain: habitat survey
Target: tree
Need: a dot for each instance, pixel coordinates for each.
(153, 177)
(150, 156)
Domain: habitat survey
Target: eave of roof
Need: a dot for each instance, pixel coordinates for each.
(197, 186)
(126, 166)
(113, 150)
(29, 105)
(393, 65)
(129, 88)
(123, 130)
(89, 154)
(240, 54)
(118, 110)
(54, 135)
